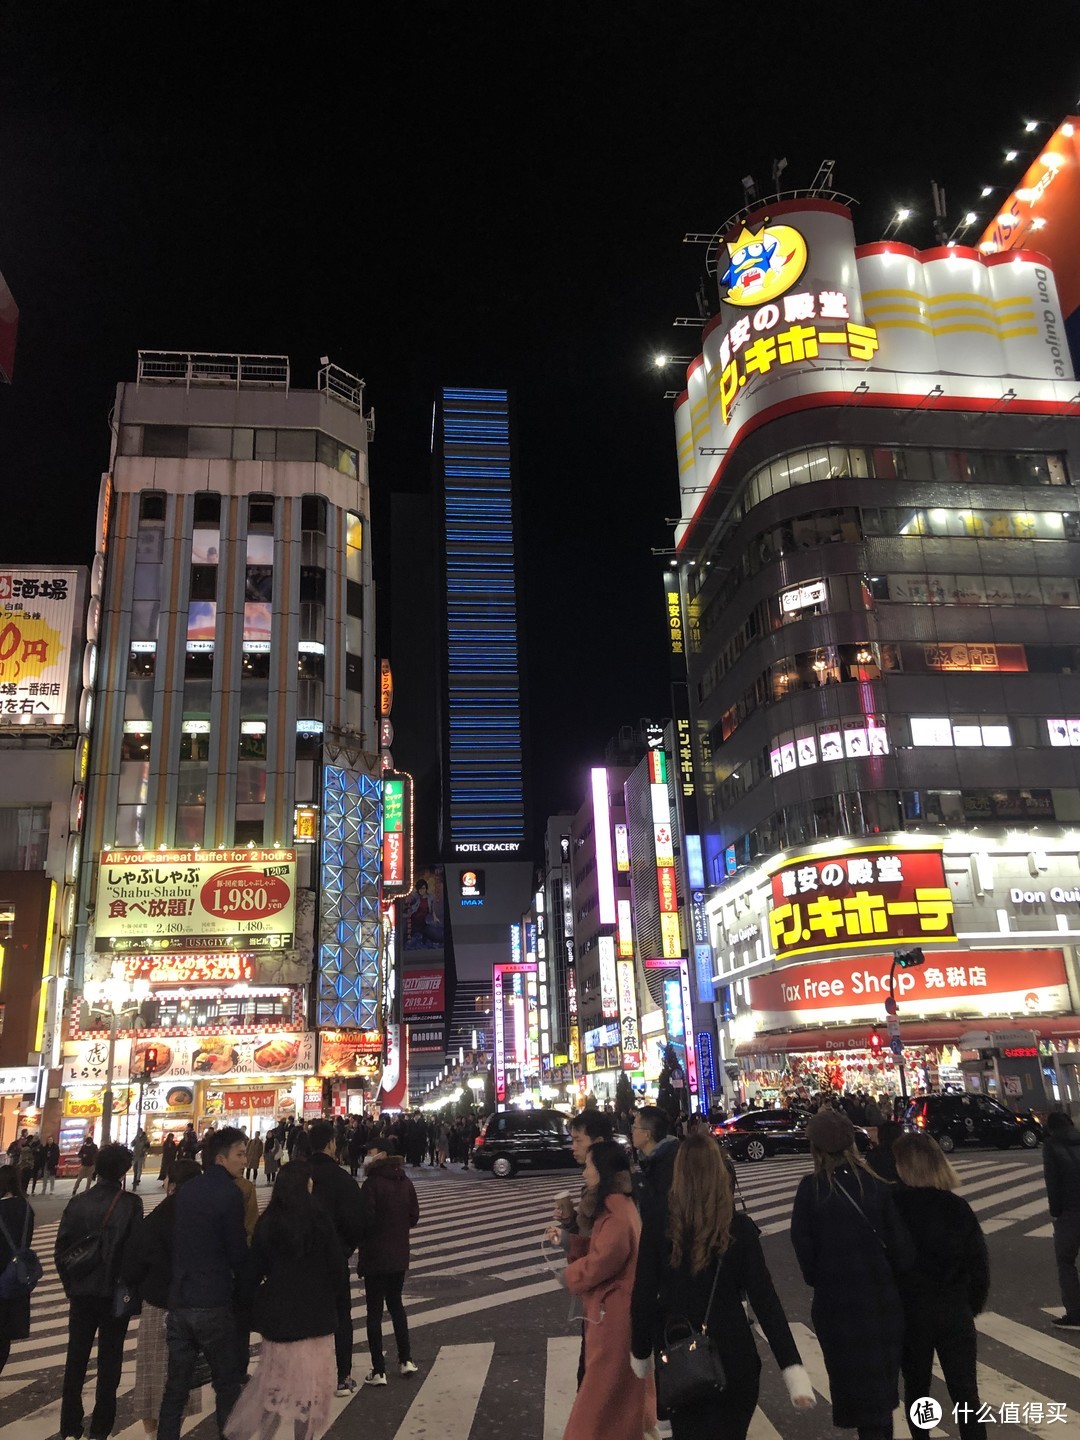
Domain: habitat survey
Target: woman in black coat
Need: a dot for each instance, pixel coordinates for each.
(851, 1244)
(15, 1212)
(948, 1284)
(296, 1269)
(696, 1239)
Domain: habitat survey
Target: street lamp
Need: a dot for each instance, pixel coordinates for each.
(114, 997)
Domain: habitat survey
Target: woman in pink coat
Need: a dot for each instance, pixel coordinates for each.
(612, 1402)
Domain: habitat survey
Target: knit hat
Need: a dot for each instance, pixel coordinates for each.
(830, 1130)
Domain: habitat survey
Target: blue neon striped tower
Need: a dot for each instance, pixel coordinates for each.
(483, 783)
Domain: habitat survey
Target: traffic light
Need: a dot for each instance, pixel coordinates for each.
(908, 959)
(150, 1055)
(875, 1043)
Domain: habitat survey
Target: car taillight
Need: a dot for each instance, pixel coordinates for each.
(920, 1121)
(478, 1141)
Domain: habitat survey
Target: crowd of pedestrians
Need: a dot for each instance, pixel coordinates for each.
(662, 1261)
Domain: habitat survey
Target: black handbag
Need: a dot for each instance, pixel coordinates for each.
(126, 1301)
(689, 1370)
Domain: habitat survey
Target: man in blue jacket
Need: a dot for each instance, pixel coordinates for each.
(209, 1255)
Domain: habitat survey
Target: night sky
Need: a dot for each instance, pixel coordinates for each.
(488, 194)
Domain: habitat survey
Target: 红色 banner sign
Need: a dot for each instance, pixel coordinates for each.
(186, 899)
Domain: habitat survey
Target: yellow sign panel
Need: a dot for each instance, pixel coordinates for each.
(670, 937)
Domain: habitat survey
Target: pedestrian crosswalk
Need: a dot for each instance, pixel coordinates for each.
(484, 1298)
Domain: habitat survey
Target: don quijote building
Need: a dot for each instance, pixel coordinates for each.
(230, 914)
(878, 562)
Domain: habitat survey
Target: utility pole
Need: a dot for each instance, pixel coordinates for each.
(902, 960)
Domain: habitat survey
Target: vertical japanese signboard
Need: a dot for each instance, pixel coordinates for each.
(397, 833)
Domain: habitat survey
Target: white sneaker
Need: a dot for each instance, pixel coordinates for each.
(408, 1367)
(375, 1377)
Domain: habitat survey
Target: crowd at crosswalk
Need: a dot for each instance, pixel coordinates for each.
(479, 1255)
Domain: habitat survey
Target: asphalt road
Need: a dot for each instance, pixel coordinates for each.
(498, 1354)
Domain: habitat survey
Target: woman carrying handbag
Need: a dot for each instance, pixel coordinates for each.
(851, 1245)
(692, 1270)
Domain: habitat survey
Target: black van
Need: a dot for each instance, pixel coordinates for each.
(971, 1120)
(531, 1138)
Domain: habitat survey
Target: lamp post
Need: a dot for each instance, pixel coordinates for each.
(113, 997)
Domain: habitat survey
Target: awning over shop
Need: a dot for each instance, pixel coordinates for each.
(924, 1032)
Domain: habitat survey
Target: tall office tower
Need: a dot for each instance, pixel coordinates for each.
(231, 863)
(484, 812)
(877, 580)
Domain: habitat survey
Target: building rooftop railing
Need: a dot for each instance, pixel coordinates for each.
(235, 372)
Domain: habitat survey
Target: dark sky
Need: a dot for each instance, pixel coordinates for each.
(484, 193)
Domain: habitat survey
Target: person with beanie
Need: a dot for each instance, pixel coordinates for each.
(695, 1240)
(851, 1246)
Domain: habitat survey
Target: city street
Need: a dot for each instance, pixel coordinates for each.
(497, 1355)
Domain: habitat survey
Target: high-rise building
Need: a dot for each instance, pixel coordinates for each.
(484, 813)
(232, 856)
(878, 576)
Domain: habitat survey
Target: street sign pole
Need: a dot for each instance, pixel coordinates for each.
(892, 1020)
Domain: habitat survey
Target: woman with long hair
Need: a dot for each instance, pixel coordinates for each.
(147, 1265)
(701, 1242)
(612, 1401)
(948, 1284)
(295, 1270)
(851, 1245)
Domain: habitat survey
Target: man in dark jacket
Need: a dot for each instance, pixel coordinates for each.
(1061, 1166)
(105, 1209)
(389, 1209)
(656, 1149)
(337, 1194)
(209, 1255)
(88, 1154)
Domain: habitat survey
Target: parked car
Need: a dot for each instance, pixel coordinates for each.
(534, 1139)
(971, 1120)
(759, 1133)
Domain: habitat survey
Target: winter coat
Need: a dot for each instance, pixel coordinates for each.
(15, 1313)
(85, 1215)
(1061, 1167)
(147, 1261)
(663, 1294)
(337, 1193)
(851, 1262)
(952, 1264)
(168, 1155)
(657, 1173)
(389, 1209)
(254, 1152)
(293, 1296)
(612, 1401)
(882, 1163)
(88, 1153)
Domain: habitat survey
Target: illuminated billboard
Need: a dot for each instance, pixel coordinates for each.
(859, 897)
(1043, 212)
(37, 621)
(191, 899)
(397, 860)
(605, 878)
